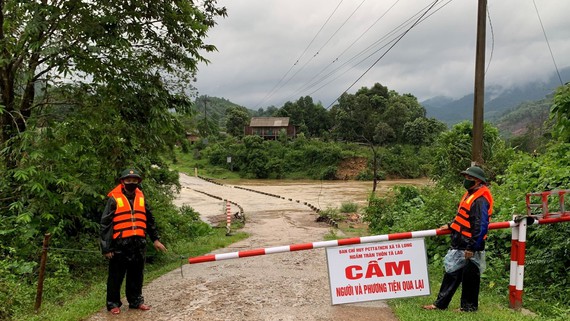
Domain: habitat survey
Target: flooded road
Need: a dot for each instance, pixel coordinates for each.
(285, 286)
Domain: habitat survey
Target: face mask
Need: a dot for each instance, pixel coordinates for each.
(131, 187)
(468, 184)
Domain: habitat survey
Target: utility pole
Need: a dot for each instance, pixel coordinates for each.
(206, 116)
(479, 100)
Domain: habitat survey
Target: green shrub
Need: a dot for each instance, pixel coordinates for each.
(331, 213)
(348, 207)
(329, 173)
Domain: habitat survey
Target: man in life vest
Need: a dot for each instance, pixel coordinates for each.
(125, 223)
(465, 260)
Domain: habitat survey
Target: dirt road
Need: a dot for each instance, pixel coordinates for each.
(286, 286)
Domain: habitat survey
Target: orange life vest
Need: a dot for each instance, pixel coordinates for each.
(461, 222)
(128, 221)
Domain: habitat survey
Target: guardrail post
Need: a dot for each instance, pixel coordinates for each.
(521, 252)
(514, 264)
(41, 277)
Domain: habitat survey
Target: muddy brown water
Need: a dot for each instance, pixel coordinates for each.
(283, 286)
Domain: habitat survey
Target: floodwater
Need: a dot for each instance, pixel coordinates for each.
(325, 194)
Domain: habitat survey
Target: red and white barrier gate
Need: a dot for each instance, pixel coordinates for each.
(518, 244)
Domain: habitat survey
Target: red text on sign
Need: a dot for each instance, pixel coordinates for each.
(355, 272)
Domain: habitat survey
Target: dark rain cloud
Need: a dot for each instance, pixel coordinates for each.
(260, 41)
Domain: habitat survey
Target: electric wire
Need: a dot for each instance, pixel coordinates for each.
(384, 54)
(342, 53)
(367, 49)
(548, 43)
(271, 92)
(492, 41)
(370, 47)
(323, 46)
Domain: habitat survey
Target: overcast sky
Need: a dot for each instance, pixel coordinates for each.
(273, 51)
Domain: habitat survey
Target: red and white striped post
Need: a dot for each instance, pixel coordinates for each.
(514, 264)
(228, 217)
(521, 252)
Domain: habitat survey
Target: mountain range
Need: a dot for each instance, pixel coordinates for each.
(498, 101)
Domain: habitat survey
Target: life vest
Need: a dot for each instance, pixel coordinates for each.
(461, 222)
(127, 221)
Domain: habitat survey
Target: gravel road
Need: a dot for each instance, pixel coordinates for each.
(285, 286)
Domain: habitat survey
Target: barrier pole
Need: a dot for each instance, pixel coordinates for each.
(334, 243)
(356, 240)
(520, 265)
(514, 264)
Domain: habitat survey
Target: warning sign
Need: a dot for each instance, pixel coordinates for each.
(378, 271)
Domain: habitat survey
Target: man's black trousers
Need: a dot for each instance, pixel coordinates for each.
(130, 264)
(470, 276)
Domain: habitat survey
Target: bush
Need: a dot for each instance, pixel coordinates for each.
(329, 173)
(348, 207)
(331, 213)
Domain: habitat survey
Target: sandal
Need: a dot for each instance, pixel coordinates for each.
(115, 310)
(430, 307)
(141, 306)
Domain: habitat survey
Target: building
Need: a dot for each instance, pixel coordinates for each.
(269, 127)
(192, 137)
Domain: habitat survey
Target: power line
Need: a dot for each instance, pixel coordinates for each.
(548, 43)
(370, 47)
(324, 45)
(492, 41)
(342, 53)
(384, 54)
(272, 91)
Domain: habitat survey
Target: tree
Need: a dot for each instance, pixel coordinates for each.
(236, 119)
(423, 131)
(400, 110)
(374, 116)
(452, 153)
(86, 89)
(124, 44)
(561, 112)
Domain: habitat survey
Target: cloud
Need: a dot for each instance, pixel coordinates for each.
(260, 41)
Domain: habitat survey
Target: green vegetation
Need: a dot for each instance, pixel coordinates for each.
(254, 157)
(348, 207)
(547, 269)
(88, 88)
(83, 297)
(492, 306)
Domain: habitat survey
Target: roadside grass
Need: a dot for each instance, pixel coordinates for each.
(492, 306)
(88, 299)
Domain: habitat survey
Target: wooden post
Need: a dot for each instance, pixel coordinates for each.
(41, 277)
(479, 95)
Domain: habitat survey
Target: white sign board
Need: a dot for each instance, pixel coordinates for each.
(378, 271)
